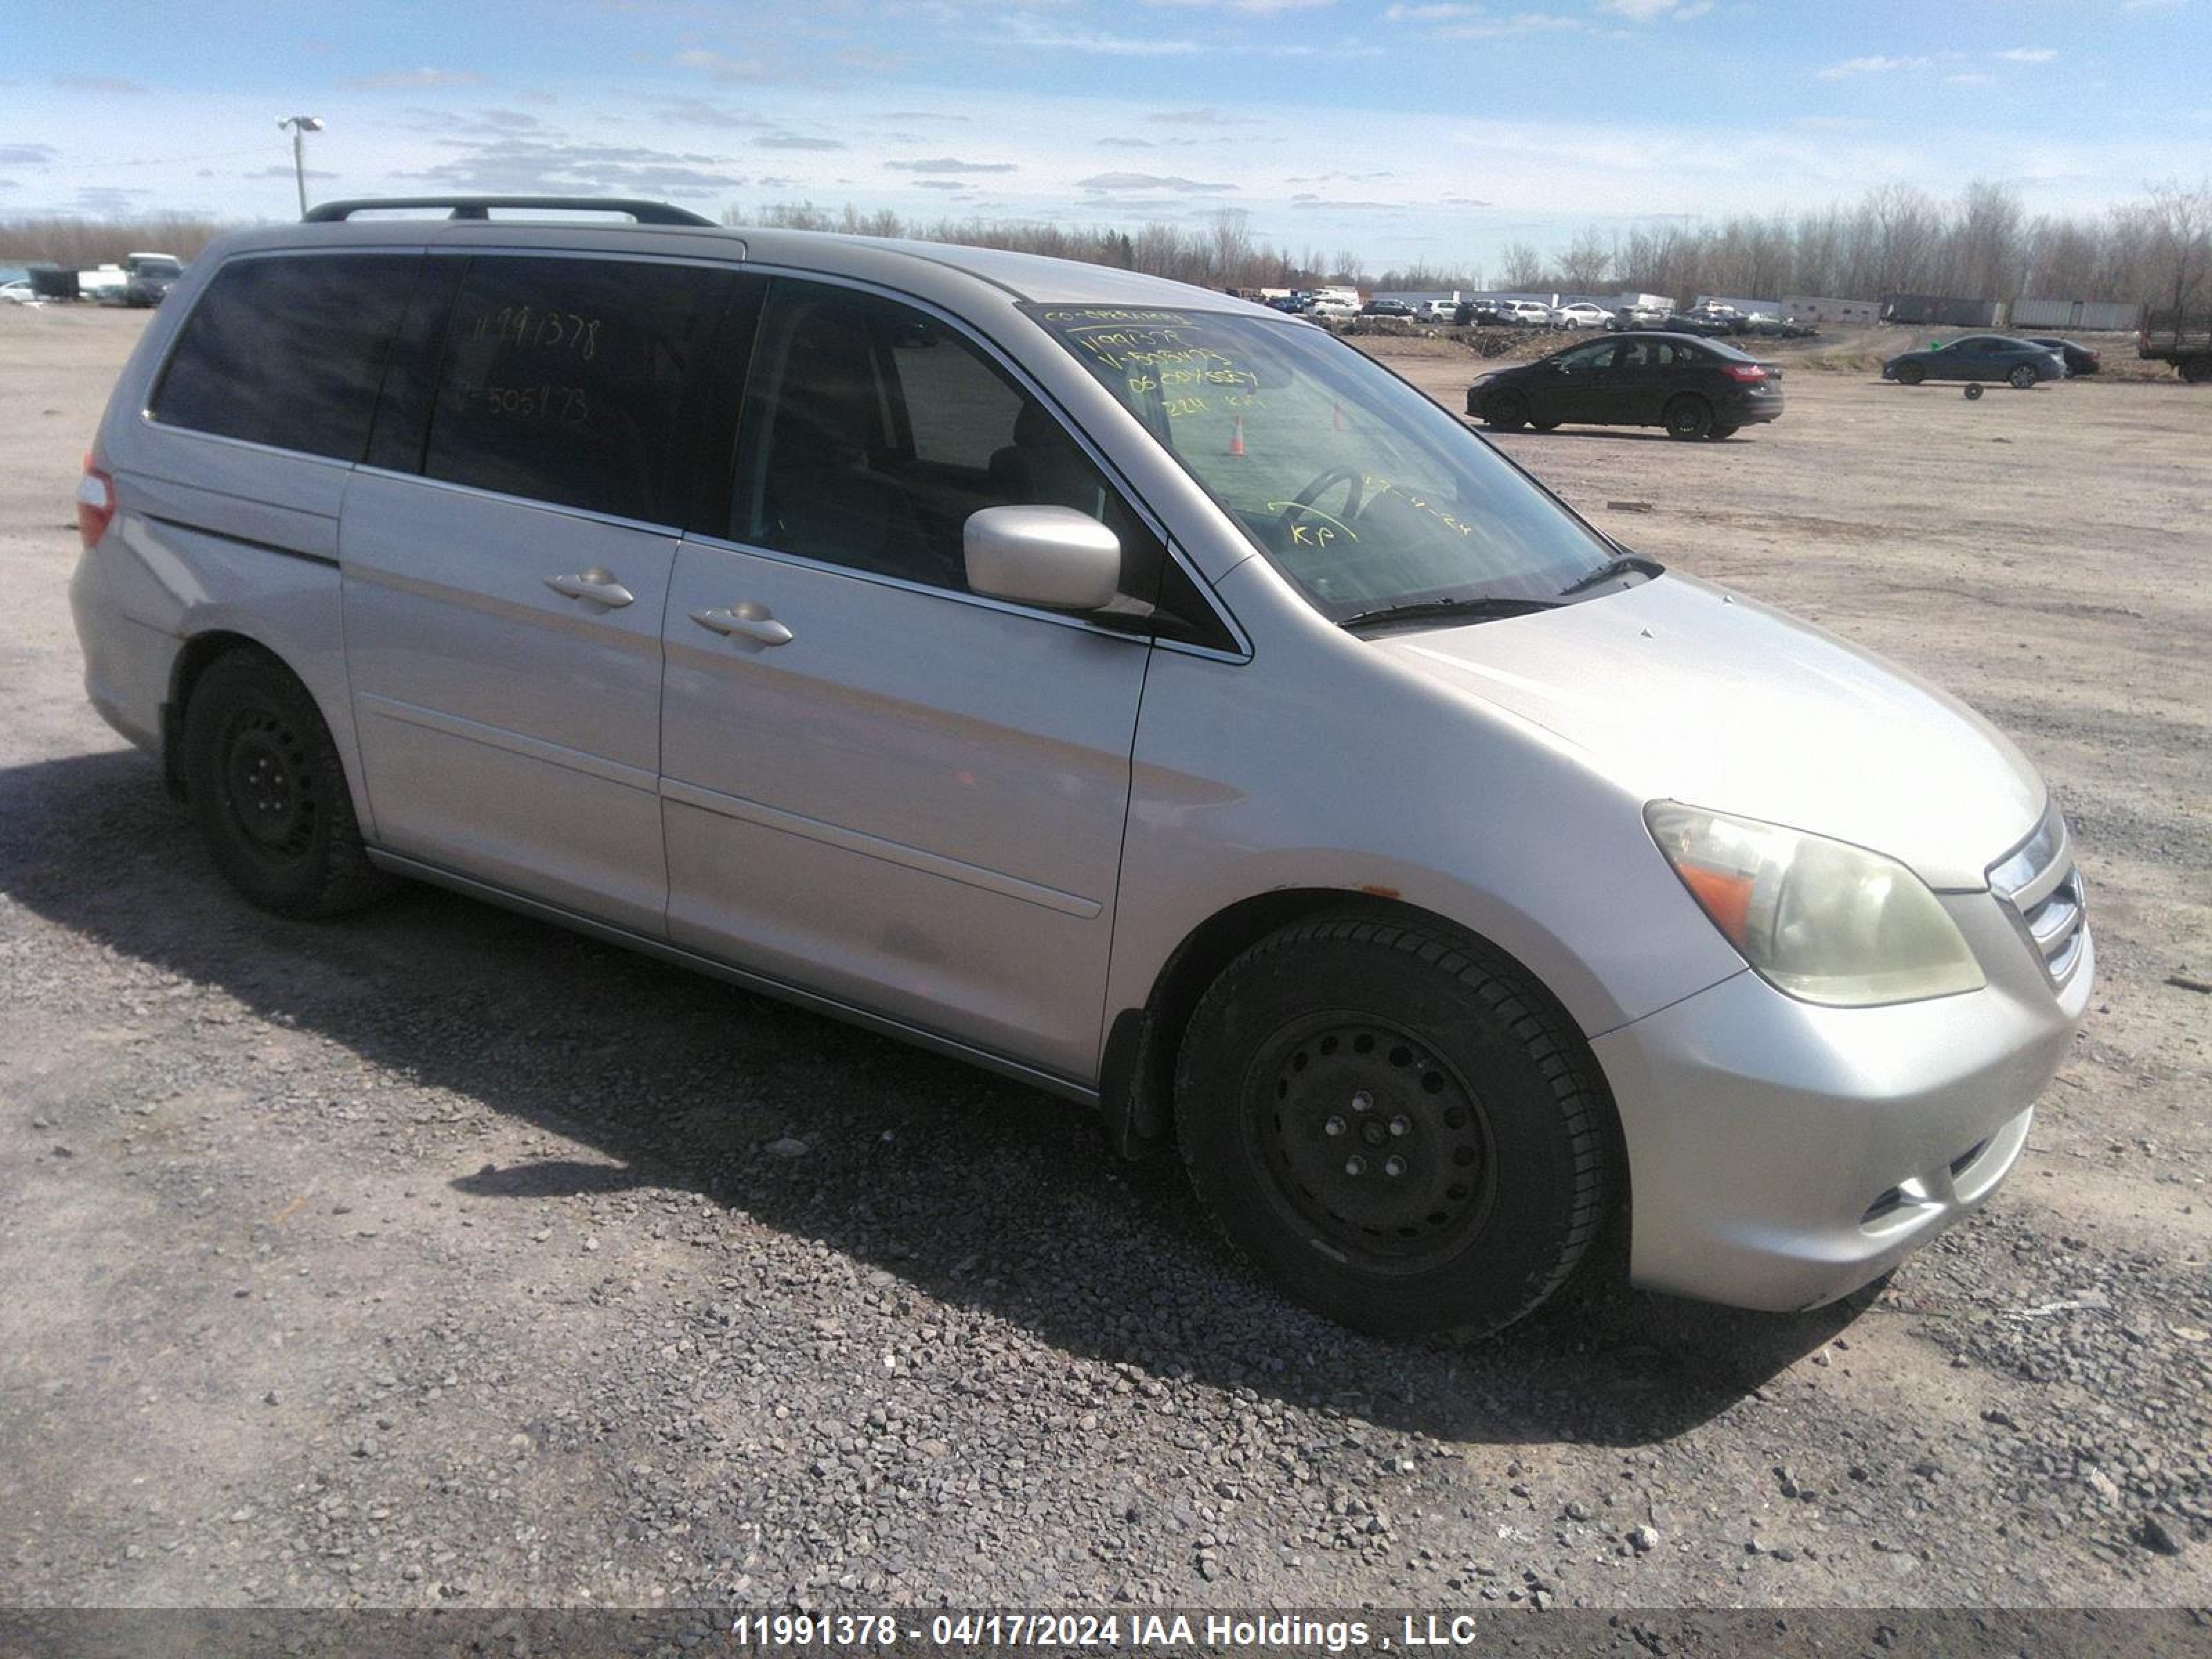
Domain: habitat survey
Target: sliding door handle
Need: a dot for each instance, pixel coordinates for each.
(748, 620)
(596, 585)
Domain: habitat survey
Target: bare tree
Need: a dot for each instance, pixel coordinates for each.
(1524, 268)
(2179, 220)
(1584, 261)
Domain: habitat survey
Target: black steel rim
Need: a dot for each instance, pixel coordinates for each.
(1372, 1143)
(267, 786)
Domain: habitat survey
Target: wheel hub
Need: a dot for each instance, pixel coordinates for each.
(263, 772)
(1372, 1139)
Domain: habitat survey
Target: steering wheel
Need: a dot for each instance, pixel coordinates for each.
(1313, 492)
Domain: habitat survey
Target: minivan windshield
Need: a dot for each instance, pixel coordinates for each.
(1377, 504)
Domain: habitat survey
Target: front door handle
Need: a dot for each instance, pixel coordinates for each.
(749, 620)
(596, 585)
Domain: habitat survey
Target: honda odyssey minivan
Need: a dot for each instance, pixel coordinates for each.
(1130, 689)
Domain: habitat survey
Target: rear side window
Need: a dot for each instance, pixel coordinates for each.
(564, 380)
(289, 350)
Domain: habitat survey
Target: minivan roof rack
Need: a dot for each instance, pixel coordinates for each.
(479, 207)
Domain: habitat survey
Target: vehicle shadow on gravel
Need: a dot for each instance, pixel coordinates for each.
(976, 1191)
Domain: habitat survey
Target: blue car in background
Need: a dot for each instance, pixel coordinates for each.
(2021, 363)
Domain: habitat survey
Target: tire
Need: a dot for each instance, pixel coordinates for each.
(1972, 392)
(1722, 430)
(1689, 417)
(2195, 370)
(1506, 411)
(1911, 374)
(2023, 377)
(1365, 1034)
(269, 793)
(1543, 425)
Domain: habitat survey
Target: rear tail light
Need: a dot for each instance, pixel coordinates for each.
(95, 503)
(1744, 370)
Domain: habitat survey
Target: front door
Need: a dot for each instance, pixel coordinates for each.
(504, 587)
(876, 784)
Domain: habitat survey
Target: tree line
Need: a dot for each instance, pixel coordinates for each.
(1894, 239)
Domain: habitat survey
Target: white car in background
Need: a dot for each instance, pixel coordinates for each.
(1580, 314)
(1533, 313)
(1330, 305)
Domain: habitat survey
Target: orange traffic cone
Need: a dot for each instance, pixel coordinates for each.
(1237, 437)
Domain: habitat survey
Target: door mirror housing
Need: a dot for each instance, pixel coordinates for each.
(1053, 558)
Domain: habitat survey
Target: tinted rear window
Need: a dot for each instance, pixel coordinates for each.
(289, 350)
(563, 381)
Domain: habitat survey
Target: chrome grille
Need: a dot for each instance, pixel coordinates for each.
(2041, 891)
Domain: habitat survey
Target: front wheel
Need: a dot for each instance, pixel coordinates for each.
(269, 791)
(1688, 417)
(1393, 1126)
(1911, 374)
(2196, 370)
(1506, 411)
(2023, 377)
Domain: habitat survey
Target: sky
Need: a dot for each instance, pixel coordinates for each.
(1436, 131)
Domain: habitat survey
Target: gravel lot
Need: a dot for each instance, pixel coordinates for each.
(440, 1258)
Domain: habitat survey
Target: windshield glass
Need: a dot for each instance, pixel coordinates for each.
(1362, 491)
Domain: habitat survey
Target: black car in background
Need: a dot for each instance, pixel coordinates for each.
(2080, 359)
(1695, 388)
(1978, 358)
(1385, 309)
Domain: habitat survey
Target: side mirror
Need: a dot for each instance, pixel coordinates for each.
(1054, 558)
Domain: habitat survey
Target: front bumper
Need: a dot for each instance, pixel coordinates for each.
(1781, 1155)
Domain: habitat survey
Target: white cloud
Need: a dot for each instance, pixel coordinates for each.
(415, 77)
(2028, 55)
(1254, 7)
(1851, 66)
(1441, 11)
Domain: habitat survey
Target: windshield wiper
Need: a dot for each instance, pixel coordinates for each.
(1472, 608)
(1628, 564)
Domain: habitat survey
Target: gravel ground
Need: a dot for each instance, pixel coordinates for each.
(439, 1258)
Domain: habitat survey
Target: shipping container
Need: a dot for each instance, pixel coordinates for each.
(1816, 308)
(1941, 310)
(2079, 316)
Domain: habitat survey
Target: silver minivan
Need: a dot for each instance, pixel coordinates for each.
(1125, 688)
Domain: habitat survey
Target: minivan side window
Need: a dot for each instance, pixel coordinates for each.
(872, 430)
(564, 380)
(288, 350)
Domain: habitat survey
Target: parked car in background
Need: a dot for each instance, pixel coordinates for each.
(2078, 358)
(1581, 313)
(1767, 325)
(1524, 314)
(897, 689)
(1992, 357)
(148, 278)
(1330, 305)
(1638, 317)
(1694, 388)
(1439, 311)
(1698, 323)
(1385, 309)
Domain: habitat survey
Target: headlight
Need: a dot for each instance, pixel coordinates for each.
(1819, 918)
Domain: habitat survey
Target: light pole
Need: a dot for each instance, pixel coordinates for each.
(301, 125)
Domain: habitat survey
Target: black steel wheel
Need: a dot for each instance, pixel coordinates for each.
(1911, 374)
(1393, 1124)
(269, 791)
(1506, 411)
(1688, 416)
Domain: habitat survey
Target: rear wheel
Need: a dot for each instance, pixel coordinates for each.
(1507, 411)
(1392, 1126)
(1911, 374)
(269, 791)
(2196, 370)
(1723, 430)
(1688, 416)
(2023, 377)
